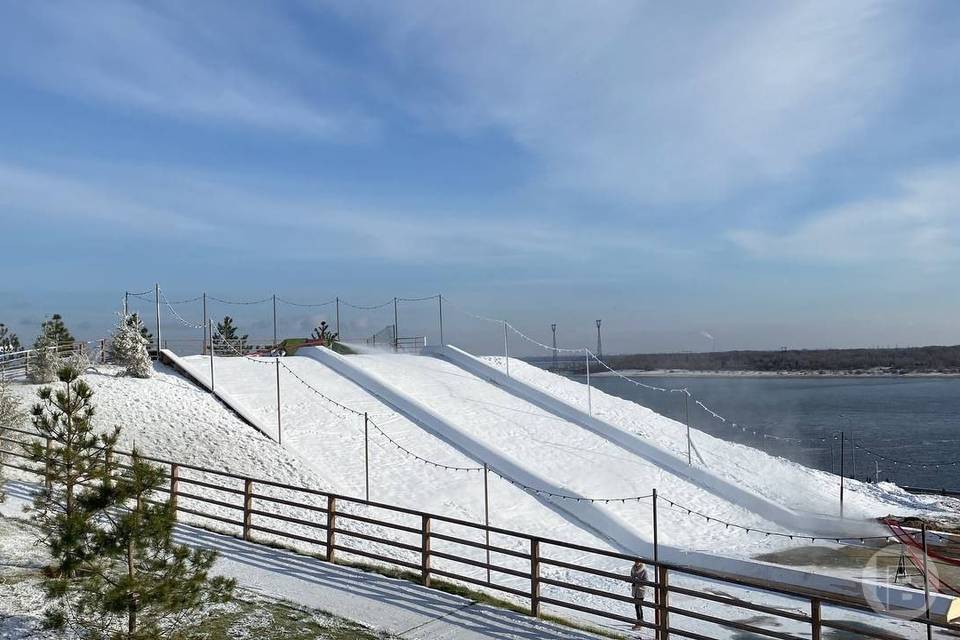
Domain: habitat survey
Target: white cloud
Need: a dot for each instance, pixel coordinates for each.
(235, 66)
(651, 101)
(919, 225)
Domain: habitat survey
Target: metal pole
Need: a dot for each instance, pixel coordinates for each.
(210, 324)
(338, 317)
(842, 438)
(279, 430)
(599, 343)
(274, 320)
(686, 412)
(366, 453)
(926, 581)
(656, 533)
(486, 513)
(656, 568)
(206, 335)
(156, 293)
(440, 303)
(396, 327)
(506, 350)
(589, 399)
(553, 328)
(126, 304)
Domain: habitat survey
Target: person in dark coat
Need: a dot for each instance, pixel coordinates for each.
(638, 575)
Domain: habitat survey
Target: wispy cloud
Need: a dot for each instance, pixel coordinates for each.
(240, 67)
(207, 211)
(920, 225)
(648, 102)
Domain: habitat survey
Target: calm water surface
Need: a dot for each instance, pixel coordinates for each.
(912, 420)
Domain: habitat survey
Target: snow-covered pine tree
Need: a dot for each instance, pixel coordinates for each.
(134, 319)
(226, 342)
(129, 347)
(9, 342)
(55, 331)
(138, 584)
(10, 416)
(72, 456)
(44, 363)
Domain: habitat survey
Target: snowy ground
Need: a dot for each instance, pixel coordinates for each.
(323, 448)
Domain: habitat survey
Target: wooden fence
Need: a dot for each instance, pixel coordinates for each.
(531, 569)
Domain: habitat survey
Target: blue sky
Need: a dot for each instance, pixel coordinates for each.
(769, 173)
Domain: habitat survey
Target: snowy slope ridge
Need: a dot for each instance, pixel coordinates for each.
(606, 525)
(704, 478)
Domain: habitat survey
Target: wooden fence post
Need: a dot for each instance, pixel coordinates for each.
(535, 577)
(331, 528)
(174, 486)
(247, 507)
(425, 551)
(815, 618)
(663, 584)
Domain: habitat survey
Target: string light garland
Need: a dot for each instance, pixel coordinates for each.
(304, 304)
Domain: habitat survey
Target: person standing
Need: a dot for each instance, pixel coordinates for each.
(638, 576)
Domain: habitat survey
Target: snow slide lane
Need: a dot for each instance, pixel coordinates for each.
(720, 487)
(591, 517)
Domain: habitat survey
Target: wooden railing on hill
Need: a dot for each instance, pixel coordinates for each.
(527, 567)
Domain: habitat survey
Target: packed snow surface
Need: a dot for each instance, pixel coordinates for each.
(323, 448)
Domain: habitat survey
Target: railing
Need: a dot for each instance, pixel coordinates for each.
(539, 570)
(17, 364)
(411, 345)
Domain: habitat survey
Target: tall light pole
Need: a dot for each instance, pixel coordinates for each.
(599, 343)
(553, 328)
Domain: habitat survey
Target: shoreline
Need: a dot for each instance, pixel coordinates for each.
(684, 373)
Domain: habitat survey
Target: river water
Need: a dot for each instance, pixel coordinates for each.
(913, 421)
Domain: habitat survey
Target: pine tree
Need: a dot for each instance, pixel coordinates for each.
(225, 339)
(9, 342)
(55, 331)
(129, 347)
(139, 585)
(44, 363)
(324, 334)
(10, 416)
(134, 320)
(72, 456)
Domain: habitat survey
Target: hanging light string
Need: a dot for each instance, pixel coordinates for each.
(778, 534)
(182, 320)
(565, 496)
(141, 296)
(896, 461)
(241, 302)
(187, 300)
(367, 307)
(302, 304)
(424, 298)
(139, 293)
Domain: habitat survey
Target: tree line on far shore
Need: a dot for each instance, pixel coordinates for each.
(902, 360)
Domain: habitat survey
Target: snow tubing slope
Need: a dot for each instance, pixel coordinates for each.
(591, 518)
(703, 478)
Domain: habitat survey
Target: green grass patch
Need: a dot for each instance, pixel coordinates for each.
(278, 620)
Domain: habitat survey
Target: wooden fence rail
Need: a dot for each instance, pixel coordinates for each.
(247, 508)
